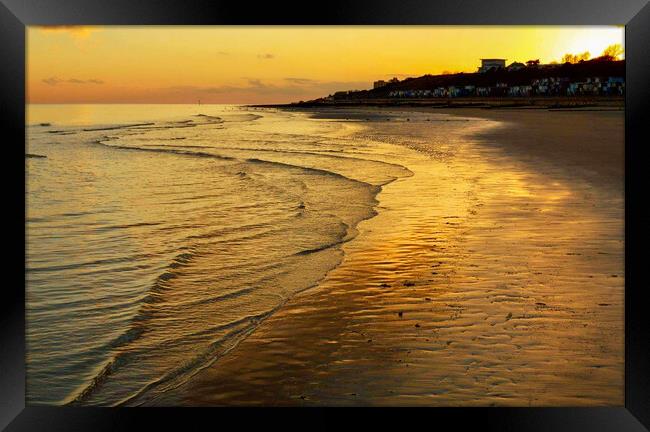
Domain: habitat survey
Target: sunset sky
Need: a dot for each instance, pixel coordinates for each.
(271, 64)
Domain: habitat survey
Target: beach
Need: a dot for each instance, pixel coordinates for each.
(493, 276)
(234, 255)
(316, 216)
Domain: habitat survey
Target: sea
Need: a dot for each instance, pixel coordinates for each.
(159, 236)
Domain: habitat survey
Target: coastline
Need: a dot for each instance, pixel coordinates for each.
(536, 102)
(489, 311)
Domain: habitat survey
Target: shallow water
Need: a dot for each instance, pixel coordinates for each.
(158, 237)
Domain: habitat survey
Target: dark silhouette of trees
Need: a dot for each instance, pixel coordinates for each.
(613, 51)
(576, 58)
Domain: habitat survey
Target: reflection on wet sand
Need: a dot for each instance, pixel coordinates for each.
(485, 279)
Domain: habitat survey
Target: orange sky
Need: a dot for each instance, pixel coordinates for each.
(178, 64)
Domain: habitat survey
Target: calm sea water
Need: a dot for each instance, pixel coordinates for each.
(158, 236)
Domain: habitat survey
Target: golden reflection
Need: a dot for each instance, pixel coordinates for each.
(494, 287)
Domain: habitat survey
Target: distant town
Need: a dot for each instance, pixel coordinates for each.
(602, 77)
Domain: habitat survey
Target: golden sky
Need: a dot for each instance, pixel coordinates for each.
(217, 64)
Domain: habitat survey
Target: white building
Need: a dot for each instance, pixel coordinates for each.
(492, 64)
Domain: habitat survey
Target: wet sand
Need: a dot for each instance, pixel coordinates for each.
(493, 276)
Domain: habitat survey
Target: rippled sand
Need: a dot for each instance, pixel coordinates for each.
(493, 276)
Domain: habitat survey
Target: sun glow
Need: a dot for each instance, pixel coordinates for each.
(271, 64)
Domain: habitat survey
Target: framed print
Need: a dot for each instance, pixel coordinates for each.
(381, 206)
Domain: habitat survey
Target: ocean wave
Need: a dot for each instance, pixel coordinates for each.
(216, 350)
(83, 264)
(318, 171)
(234, 118)
(166, 150)
(191, 366)
(189, 307)
(141, 127)
(403, 171)
(117, 127)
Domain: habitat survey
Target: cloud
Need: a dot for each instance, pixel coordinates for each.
(52, 81)
(300, 81)
(249, 90)
(266, 56)
(223, 53)
(56, 81)
(294, 87)
(256, 83)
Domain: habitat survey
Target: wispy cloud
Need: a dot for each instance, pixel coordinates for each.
(301, 81)
(56, 81)
(223, 53)
(248, 90)
(256, 83)
(266, 56)
(294, 87)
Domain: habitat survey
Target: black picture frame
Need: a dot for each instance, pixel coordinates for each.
(15, 15)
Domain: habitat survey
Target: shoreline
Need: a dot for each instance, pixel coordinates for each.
(464, 300)
(521, 133)
(540, 102)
